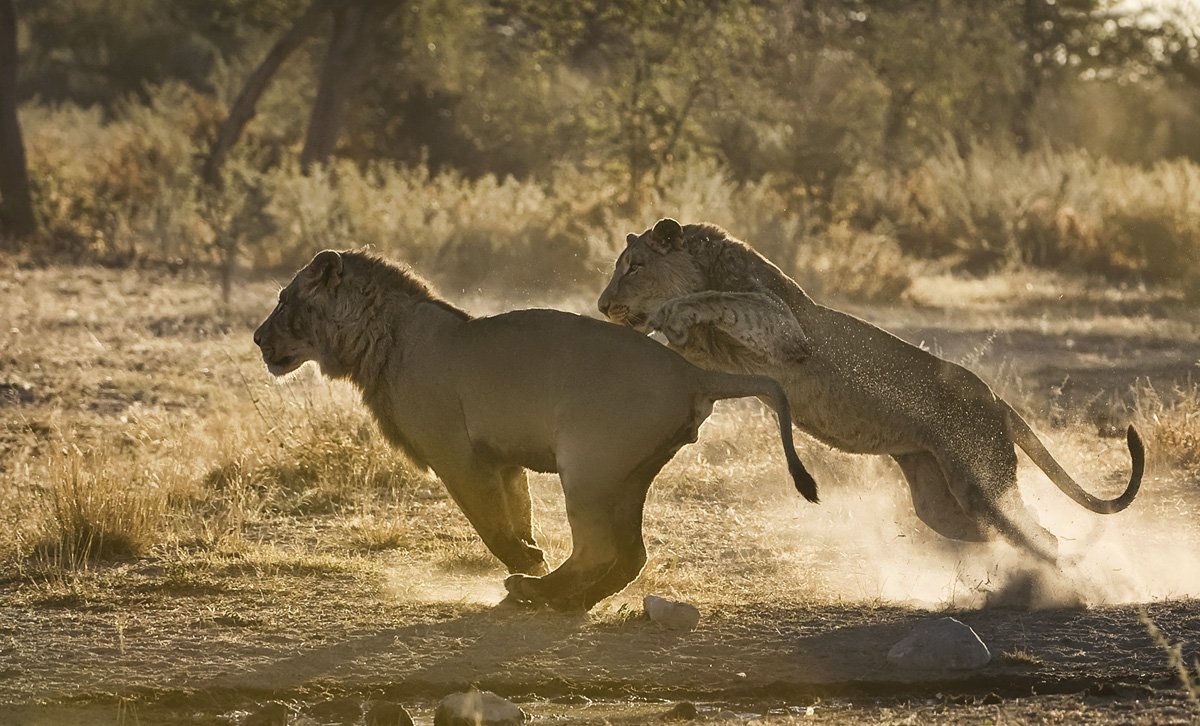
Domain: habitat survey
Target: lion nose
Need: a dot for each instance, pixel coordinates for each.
(258, 336)
(604, 304)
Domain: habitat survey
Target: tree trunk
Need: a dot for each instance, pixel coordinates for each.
(1022, 118)
(896, 119)
(337, 77)
(1034, 46)
(256, 84)
(16, 214)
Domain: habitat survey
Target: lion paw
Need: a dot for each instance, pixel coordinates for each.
(674, 323)
(518, 586)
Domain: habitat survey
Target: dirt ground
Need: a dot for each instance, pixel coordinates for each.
(797, 615)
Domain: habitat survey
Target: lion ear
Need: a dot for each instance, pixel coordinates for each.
(325, 270)
(667, 234)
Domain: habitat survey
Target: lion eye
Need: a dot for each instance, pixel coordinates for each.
(633, 269)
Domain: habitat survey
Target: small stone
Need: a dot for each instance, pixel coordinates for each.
(337, 710)
(272, 714)
(670, 614)
(682, 711)
(478, 708)
(386, 713)
(945, 643)
(16, 392)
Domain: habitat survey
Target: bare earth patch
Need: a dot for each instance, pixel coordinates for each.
(286, 556)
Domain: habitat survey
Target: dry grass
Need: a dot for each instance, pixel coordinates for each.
(98, 508)
(1187, 680)
(1171, 420)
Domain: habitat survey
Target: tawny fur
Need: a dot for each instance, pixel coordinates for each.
(480, 400)
(851, 384)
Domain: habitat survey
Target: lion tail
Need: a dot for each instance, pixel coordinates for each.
(731, 385)
(1032, 445)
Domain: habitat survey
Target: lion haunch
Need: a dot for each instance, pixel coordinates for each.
(480, 400)
(852, 385)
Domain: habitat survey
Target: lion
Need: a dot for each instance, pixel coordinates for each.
(481, 400)
(851, 384)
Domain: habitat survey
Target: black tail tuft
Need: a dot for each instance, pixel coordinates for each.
(805, 484)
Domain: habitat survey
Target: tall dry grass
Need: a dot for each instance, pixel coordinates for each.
(125, 187)
(1171, 422)
(98, 507)
(1067, 210)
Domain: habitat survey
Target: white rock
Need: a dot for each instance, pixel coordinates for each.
(671, 614)
(478, 708)
(943, 643)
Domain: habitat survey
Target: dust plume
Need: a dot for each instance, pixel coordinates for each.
(868, 545)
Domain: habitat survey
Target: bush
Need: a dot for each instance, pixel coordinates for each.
(125, 188)
(1171, 424)
(1067, 210)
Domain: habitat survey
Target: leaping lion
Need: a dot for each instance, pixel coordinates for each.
(851, 384)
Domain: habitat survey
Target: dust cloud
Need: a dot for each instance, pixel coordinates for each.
(427, 583)
(868, 545)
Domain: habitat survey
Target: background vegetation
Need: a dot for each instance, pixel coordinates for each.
(519, 141)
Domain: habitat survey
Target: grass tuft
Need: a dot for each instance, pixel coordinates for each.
(97, 509)
(1189, 681)
(1171, 423)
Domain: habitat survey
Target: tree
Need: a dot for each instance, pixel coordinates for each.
(16, 214)
(352, 21)
(655, 67)
(243, 106)
(1052, 35)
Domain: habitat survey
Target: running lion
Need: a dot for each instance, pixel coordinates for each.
(480, 400)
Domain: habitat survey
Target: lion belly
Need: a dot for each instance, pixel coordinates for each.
(832, 409)
(866, 391)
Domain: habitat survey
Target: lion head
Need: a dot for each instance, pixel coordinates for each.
(655, 267)
(297, 330)
(340, 310)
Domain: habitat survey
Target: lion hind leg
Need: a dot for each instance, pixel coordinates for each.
(933, 502)
(986, 489)
(631, 551)
(607, 547)
(594, 552)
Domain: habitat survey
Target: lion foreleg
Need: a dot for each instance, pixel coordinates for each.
(759, 322)
(501, 517)
(519, 510)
